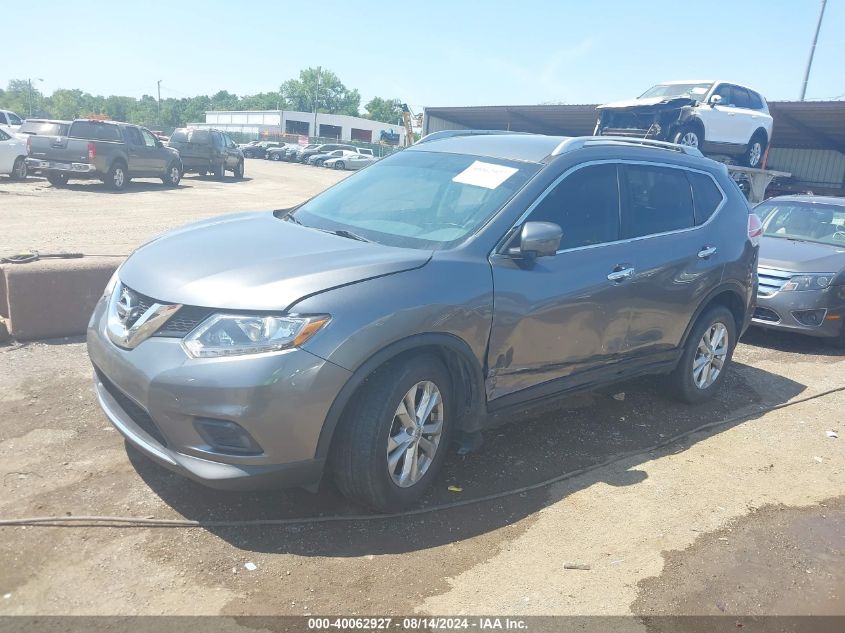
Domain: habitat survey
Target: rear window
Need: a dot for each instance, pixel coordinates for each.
(755, 100)
(179, 136)
(706, 196)
(43, 128)
(94, 131)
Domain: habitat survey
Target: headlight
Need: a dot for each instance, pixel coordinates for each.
(808, 282)
(112, 282)
(238, 334)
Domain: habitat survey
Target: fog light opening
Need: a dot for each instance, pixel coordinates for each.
(810, 318)
(225, 436)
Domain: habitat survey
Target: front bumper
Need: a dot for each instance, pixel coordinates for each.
(155, 395)
(814, 312)
(52, 165)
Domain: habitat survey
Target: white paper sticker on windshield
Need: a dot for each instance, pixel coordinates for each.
(487, 175)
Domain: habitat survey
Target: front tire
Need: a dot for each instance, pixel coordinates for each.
(239, 170)
(339, 165)
(220, 170)
(172, 176)
(275, 156)
(19, 170)
(117, 177)
(706, 357)
(690, 136)
(394, 435)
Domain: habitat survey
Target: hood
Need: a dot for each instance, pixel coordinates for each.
(649, 101)
(255, 261)
(801, 257)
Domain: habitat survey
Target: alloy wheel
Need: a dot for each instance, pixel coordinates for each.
(415, 434)
(119, 177)
(690, 139)
(710, 356)
(755, 153)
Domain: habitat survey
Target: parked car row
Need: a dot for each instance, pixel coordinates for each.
(115, 152)
(332, 155)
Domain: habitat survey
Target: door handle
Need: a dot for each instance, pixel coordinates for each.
(706, 252)
(620, 274)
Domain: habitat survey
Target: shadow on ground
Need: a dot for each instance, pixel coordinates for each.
(791, 342)
(578, 433)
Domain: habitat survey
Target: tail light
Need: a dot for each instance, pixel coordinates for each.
(29, 144)
(92, 154)
(755, 228)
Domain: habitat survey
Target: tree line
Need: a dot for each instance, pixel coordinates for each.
(313, 84)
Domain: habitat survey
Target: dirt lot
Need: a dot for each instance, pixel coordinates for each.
(744, 516)
(86, 217)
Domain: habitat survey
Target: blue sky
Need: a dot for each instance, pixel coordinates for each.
(431, 53)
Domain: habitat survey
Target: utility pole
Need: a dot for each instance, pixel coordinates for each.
(158, 83)
(812, 51)
(316, 96)
(29, 83)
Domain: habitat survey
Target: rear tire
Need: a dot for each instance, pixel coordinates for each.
(172, 175)
(708, 350)
(57, 180)
(19, 170)
(117, 177)
(386, 460)
(753, 155)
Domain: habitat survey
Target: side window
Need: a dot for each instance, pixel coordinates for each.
(725, 91)
(149, 139)
(706, 196)
(586, 206)
(4, 136)
(741, 99)
(14, 119)
(133, 136)
(656, 200)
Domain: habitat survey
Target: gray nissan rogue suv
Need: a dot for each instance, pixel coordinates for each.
(428, 296)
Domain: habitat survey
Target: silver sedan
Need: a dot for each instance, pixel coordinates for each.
(351, 162)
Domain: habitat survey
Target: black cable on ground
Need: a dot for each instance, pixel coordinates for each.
(118, 521)
(34, 256)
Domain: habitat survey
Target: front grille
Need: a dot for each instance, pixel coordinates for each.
(771, 281)
(177, 326)
(185, 320)
(133, 409)
(764, 314)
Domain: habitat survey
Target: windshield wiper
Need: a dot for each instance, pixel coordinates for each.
(349, 234)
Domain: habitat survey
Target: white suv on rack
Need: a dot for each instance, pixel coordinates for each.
(717, 117)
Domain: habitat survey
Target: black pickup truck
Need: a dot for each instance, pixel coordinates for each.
(107, 150)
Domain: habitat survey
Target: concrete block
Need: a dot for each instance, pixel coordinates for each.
(53, 297)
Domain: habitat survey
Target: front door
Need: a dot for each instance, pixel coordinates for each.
(557, 318)
(136, 151)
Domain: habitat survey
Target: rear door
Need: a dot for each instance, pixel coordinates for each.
(136, 151)
(558, 320)
(8, 152)
(676, 252)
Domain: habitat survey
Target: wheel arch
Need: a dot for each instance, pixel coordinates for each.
(729, 295)
(462, 364)
(761, 131)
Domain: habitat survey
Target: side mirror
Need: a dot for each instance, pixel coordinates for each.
(715, 100)
(537, 239)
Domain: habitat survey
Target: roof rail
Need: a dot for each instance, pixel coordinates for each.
(578, 142)
(436, 136)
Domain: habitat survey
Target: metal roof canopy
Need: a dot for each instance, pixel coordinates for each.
(797, 124)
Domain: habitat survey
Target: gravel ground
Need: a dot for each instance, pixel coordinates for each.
(88, 218)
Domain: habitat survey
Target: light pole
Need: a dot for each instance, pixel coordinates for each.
(158, 84)
(316, 96)
(29, 82)
(812, 51)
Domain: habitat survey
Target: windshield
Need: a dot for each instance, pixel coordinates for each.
(694, 91)
(417, 199)
(805, 221)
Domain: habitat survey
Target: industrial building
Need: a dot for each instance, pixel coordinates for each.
(258, 124)
(808, 138)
